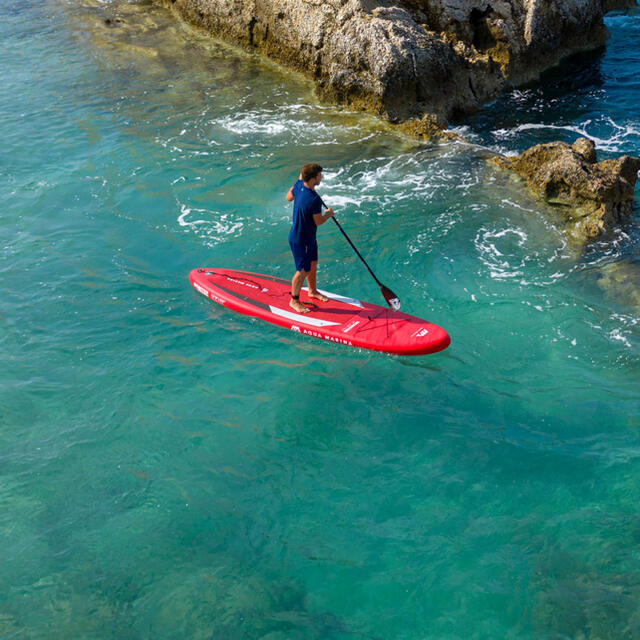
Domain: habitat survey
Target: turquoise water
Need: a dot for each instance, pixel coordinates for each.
(171, 470)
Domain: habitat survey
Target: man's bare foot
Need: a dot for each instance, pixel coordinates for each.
(318, 296)
(296, 305)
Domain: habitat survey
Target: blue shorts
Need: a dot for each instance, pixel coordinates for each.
(304, 255)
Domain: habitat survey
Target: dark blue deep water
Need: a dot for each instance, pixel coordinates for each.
(592, 94)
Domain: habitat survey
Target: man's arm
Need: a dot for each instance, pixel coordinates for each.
(290, 197)
(321, 218)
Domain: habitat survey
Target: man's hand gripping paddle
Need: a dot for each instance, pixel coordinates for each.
(392, 299)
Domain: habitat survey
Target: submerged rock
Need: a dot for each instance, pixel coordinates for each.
(593, 196)
(621, 280)
(412, 57)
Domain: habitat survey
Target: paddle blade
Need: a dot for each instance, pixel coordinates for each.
(392, 299)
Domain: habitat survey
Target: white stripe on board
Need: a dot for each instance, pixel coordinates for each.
(302, 318)
(339, 298)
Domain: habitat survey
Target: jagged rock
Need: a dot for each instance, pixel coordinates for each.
(412, 57)
(617, 5)
(586, 148)
(429, 127)
(114, 21)
(594, 196)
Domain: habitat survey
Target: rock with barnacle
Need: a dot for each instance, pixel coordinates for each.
(408, 58)
(591, 196)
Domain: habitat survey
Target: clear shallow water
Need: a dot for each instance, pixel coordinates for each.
(169, 469)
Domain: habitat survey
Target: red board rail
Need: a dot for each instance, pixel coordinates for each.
(342, 320)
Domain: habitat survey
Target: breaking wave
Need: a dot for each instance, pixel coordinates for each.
(606, 134)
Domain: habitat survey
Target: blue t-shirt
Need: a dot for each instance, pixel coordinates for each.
(306, 203)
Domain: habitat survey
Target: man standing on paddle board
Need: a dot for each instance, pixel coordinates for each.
(307, 217)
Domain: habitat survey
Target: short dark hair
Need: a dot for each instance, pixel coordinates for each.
(310, 170)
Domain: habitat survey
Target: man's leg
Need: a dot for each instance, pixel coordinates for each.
(311, 279)
(302, 272)
(296, 285)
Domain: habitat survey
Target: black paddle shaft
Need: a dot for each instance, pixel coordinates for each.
(392, 299)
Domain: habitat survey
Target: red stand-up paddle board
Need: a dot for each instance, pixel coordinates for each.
(342, 320)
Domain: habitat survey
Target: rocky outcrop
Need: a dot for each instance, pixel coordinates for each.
(592, 196)
(410, 57)
(429, 127)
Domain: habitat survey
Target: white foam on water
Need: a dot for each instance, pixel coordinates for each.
(620, 134)
(183, 222)
(501, 262)
(392, 180)
(213, 231)
(251, 123)
(300, 123)
(336, 201)
(616, 335)
(516, 205)
(466, 132)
